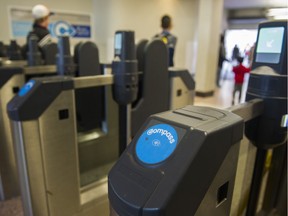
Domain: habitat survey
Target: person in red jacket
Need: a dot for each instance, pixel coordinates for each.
(239, 73)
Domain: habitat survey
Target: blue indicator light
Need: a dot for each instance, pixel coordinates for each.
(26, 88)
(156, 144)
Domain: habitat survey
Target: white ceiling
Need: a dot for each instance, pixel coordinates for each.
(237, 4)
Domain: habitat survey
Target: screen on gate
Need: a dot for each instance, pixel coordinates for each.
(270, 45)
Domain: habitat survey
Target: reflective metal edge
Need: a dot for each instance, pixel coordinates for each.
(248, 110)
(186, 97)
(93, 81)
(43, 69)
(22, 167)
(94, 191)
(9, 185)
(13, 63)
(90, 135)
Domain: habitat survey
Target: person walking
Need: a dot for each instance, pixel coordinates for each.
(235, 53)
(221, 59)
(41, 16)
(239, 72)
(39, 30)
(169, 39)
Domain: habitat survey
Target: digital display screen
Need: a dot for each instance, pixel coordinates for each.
(118, 43)
(269, 45)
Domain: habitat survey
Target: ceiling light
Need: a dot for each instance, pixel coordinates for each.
(277, 13)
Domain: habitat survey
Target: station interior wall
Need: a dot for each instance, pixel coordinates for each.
(143, 17)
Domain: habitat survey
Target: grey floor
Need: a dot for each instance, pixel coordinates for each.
(12, 207)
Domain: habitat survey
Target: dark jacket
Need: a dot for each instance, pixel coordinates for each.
(170, 41)
(42, 33)
(43, 36)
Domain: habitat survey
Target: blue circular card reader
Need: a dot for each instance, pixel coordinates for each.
(26, 88)
(156, 144)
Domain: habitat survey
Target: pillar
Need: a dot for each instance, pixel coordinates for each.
(208, 39)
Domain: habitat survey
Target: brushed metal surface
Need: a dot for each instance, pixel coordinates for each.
(48, 161)
(93, 81)
(8, 172)
(60, 156)
(244, 174)
(27, 144)
(91, 135)
(97, 207)
(248, 110)
(103, 150)
(52, 161)
(94, 191)
(17, 63)
(186, 97)
(43, 69)
(107, 69)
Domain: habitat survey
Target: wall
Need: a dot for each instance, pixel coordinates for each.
(67, 5)
(143, 17)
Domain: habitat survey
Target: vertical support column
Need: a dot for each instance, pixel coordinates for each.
(208, 34)
(124, 69)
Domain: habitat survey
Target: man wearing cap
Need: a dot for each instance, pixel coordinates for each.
(40, 26)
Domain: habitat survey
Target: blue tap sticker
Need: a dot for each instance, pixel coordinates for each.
(156, 144)
(26, 88)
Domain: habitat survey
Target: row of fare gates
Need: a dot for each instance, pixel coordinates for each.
(66, 134)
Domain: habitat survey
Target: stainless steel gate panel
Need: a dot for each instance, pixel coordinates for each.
(105, 145)
(8, 173)
(9, 186)
(244, 173)
(12, 63)
(27, 143)
(60, 156)
(50, 155)
(180, 95)
(94, 199)
(246, 157)
(50, 161)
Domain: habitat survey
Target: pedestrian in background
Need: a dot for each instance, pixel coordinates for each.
(239, 73)
(39, 30)
(169, 39)
(221, 59)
